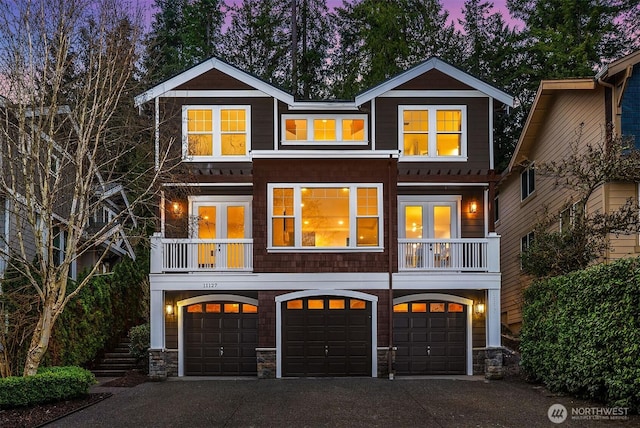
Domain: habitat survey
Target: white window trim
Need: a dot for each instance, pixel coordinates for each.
(432, 142)
(403, 201)
(310, 130)
(216, 151)
(297, 216)
(197, 201)
(530, 167)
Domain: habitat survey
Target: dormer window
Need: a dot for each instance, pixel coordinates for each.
(317, 129)
(211, 132)
(432, 132)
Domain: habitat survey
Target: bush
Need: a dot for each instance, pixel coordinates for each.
(139, 336)
(49, 384)
(581, 333)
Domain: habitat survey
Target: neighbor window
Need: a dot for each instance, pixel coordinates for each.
(318, 129)
(568, 216)
(528, 181)
(216, 131)
(433, 131)
(325, 216)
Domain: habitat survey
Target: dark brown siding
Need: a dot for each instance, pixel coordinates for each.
(477, 129)
(319, 171)
(434, 80)
(214, 80)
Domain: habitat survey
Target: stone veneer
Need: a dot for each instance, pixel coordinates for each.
(266, 360)
(488, 361)
(163, 363)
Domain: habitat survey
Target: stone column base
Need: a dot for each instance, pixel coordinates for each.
(266, 361)
(488, 361)
(163, 363)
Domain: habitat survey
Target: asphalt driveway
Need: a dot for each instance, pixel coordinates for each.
(336, 402)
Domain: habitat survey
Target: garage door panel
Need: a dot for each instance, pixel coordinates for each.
(429, 342)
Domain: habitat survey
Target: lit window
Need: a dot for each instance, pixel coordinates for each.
(432, 131)
(232, 308)
(401, 307)
(357, 304)
(314, 216)
(294, 304)
(249, 309)
(216, 131)
(336, 303)
(418, 307)
(212, 308)
(316, 129)
(456, 307)
(436, 307)
(194, 308)
(315, 304)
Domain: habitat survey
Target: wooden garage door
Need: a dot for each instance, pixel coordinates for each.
(326, 336)
(220, 339)
(430, 338)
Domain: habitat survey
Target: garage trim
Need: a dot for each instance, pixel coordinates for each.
(342, 293)
(447, 298)
(200, 299)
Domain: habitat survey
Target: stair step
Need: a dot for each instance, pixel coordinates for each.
(109, 372)
(124, 359)
(117, 354)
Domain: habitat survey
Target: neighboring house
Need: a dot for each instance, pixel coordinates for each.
(562, 109)
(106, 222)
(311, 238)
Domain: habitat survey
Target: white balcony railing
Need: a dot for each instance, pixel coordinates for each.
(201, 255)
(463, 255)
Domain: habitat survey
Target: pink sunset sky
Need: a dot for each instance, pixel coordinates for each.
(454, 7)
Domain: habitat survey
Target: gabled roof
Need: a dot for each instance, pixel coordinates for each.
(440, 65)
(203, 67)
(619, 65)
(537, 115)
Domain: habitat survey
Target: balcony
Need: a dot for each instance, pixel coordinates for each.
(201, 255)
(458, 255)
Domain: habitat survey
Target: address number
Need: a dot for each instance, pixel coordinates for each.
(210, 285)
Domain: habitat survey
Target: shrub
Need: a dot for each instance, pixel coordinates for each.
(581, 333)
(49, 384)
(139, 336)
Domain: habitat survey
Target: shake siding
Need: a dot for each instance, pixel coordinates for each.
(561, 127)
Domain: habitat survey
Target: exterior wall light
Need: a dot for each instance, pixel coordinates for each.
(479, 308)
(176, 209)
(473, 207)
(169, 309)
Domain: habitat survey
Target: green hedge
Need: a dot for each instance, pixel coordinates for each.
(50, 384)
(581, 333)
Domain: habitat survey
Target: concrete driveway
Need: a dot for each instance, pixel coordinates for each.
(336, 402)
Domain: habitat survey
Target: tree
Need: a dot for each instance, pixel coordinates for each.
(583, 235)
(65, 68)
(258, 39)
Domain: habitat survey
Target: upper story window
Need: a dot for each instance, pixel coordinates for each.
(216, 131)
(528, 181)
(326, 216)
(433, 132)
(316, 129)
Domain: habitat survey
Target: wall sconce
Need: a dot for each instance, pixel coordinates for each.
(479, 308)
(473, 207)
(168, 309)
(176, 209)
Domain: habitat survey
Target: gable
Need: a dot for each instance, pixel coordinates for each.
(214, 80)
(434, 80)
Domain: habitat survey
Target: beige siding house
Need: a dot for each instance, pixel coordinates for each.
(564, 112)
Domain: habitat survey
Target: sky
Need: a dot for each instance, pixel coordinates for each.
(454, 7)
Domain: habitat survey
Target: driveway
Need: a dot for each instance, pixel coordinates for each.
(336, 402)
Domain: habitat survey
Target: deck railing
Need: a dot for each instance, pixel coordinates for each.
(470, 255)
(202, 255)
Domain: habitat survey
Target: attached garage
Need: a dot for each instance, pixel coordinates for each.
(220, 338)
(326, 336)
(431, 337)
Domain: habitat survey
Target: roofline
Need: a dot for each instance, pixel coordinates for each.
(438, 64)
(203, 67)
(619, 65)
(548, 86)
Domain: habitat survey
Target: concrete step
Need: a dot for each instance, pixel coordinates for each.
(109, 372)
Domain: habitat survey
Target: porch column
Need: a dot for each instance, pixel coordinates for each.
(155, 262)
(493, 318)
(157, 319)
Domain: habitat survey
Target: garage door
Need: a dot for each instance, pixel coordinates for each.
(430, 338)
(220, 339)
(326, 336)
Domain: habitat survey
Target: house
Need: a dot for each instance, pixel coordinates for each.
(591, 107)
(22, 217)
(325, 238)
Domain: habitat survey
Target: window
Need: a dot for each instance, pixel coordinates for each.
(433, 132)
(528, 181)
(325, 216)
(216, 131)
(54, 165)
(568, 216)
(317, 129)
(526, 241)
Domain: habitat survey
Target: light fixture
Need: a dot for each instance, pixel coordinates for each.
(479, 308)
(473, 207)
(169, 309)
(176, 209)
